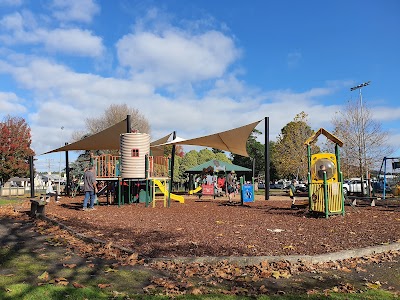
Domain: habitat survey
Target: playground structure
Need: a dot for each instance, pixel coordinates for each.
(395, 165)
(325, 179)
(141, 168)
(135, 175)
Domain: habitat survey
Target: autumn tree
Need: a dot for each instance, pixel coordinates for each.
(15, 148)
(289, 152)
(365, 143)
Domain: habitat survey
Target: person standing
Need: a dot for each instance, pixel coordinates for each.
(230, 182)
(90, 188)
(292, 191)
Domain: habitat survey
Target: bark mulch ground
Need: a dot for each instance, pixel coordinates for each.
(214, 227)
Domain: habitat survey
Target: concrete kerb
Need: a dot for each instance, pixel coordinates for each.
(247, 260)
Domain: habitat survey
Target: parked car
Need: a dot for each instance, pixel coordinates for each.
(282, 184)
(353, 186)
(301, 187)
(378, 187)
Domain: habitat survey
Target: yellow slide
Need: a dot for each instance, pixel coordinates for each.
(163, 190)
(191, 192)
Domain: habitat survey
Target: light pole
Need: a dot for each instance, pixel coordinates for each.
(362, 149)
(59, 164)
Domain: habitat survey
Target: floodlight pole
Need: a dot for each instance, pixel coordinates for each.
(363, 155)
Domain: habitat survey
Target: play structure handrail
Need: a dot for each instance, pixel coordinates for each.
(108, 166)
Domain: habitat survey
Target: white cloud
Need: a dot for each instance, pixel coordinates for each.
(73, 41)
(381, 113)
(75, 10)
(176, 56)
(11, 104)
(22, 29)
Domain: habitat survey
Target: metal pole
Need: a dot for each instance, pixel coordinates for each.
(59, 165)
(32, 176)
(172, 166)
(67, 170)
(267, 158)
(362, 148)
(128, 124)
(254, 167)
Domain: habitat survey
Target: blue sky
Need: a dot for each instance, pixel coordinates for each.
(196, 67)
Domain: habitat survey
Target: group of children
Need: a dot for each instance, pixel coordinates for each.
(222, 185)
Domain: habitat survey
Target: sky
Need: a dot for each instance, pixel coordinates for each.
(196, 67)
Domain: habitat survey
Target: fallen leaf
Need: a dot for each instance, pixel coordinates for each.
(373, 285)
(109, 270)
(103, 285)
(77, 285)
(290, 247)
(285, 274)
(71, 266)
(276, 274)
(196, 291)
(44, 276)
(63, 283)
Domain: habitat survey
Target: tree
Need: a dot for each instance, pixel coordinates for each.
(290, 155)
(112, 115)
(15, 148)
(205, 155)
(116, 113)
(365, 144)
(256, 152)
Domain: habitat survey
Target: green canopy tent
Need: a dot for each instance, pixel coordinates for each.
(219, 166)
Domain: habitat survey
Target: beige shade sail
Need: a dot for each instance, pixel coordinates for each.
(108, 139)
(159, 150)
(233, 140)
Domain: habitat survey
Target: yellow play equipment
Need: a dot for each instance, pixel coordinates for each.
(191, 192)
(325, 182)
(163, 187)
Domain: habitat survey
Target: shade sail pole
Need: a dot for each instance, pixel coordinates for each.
(67, 171)
(171, 182)
(266, 156)
(128, 124)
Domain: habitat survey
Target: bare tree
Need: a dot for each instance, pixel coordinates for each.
(365, 143)
(112, 115)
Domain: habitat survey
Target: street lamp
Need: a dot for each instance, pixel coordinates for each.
(362, 150)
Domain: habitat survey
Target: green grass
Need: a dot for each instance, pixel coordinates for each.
(11, 201)
(27, 292)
